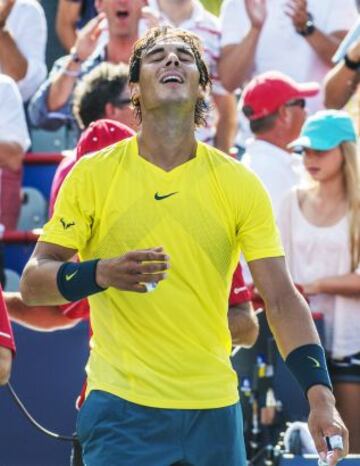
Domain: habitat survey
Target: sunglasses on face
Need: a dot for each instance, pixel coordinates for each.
(121, 103)
(296, 103)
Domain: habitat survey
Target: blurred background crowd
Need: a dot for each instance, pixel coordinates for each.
(284, 101)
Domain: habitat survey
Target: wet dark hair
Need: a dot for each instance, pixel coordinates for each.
(148, 41)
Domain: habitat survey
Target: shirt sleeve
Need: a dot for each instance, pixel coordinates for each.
(31, 37)
(71, 223)
(257, 231)
(239, 292)
(12, 117)
(235, 22)
(6, 334)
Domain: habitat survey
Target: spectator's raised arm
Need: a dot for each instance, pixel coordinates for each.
(342, 81)
(237, 55)
(67, 16)
(324, 43)
(23, 36)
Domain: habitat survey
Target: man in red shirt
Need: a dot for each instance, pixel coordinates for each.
(7, 344)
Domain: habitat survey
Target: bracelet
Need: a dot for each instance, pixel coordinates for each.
(309, 27)
(308, 365)
(351, 64)
(77, 280)
(73, 74)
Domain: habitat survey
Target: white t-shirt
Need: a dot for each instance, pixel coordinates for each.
(12, 117)
(278, 170)
(27, 25)
(207, 27)
(280, 47)
(312, 253)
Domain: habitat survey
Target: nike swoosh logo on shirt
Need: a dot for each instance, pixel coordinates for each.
(160, 197)
(70, 276)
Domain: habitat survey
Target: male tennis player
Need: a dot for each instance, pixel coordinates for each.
(162, 211)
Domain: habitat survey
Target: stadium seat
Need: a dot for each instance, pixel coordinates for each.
(33, 213)
(12, 280)
(52, 141)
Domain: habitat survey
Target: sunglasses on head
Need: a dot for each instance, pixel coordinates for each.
(296, 103)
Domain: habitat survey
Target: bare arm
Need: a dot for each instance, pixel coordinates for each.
(243, 325)
(341, 82)
(5, 364)
(324, 45)
(11, 155)
(236, 60)
(38, 284)
(129, 272)
(12, 61)
(291, 323)
(226, 126)
(67, 16)
(345, 285)
(41, 318)
(63, 84)
(288, 314)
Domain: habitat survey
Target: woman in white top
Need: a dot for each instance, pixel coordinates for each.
(320, 227)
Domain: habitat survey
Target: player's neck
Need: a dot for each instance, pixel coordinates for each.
(165, 142)
(178, 11)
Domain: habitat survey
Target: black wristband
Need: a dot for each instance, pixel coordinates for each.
(309, 27)
(308, 365)
(352, 65)
(77, 280)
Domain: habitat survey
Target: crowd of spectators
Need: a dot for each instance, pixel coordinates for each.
(272, 71)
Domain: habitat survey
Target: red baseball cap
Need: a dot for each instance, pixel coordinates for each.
(100, 134)
(264, 94)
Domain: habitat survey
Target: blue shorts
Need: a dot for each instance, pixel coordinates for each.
(116, 432)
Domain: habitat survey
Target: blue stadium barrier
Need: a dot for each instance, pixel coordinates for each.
(312, 460)
(39, 170)
(18, 248)
(48, 373)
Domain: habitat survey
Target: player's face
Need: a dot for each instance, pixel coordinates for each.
(123, 15)
(168, 75)
(324, 165)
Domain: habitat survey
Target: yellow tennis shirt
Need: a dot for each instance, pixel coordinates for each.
(168, 348)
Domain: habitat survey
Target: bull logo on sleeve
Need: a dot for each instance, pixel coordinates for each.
(65, 224)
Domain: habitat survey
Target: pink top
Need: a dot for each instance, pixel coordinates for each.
(6, 335)
(63, 169)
